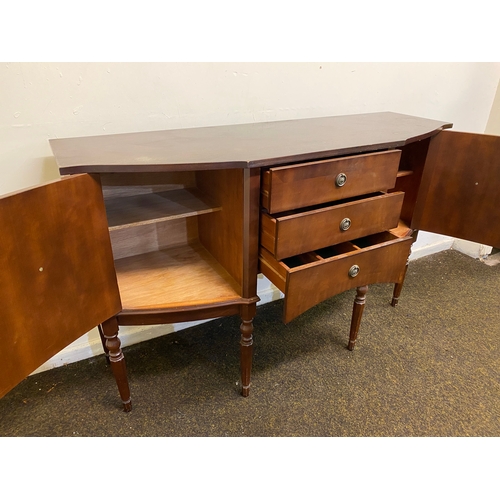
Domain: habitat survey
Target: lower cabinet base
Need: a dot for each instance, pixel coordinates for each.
(108, 331)
(306, 280)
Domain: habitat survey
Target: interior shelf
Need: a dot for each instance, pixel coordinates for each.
(402, 230)
(155, 207)
(175, 277)
(404, 173)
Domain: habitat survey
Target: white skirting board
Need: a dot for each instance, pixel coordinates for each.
(89, 345)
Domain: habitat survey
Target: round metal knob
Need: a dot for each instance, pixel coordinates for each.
(345, 224)
(340, 180)
(353, 271)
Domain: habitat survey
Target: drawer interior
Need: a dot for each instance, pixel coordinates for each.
(310, 278)
(341, 249)
(374, 239)
(298, 211)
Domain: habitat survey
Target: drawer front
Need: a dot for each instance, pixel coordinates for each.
(380, 259)
(305, 231)
(297, 186)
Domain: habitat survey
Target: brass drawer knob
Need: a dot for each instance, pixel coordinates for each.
(340, 180)
(353, 271)
(345, 224)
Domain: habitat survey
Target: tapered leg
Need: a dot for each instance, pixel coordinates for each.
(117, 360)
(103, 340)
(357, 313)
(246, 347)
(398, 287)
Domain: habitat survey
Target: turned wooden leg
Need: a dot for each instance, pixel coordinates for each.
(103, 340)
(398, 287)
(246, 347)
(357, 313)
(117, 360)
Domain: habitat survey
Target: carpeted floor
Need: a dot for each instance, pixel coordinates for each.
(429, 367)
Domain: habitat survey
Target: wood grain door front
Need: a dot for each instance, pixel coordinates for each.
(460, 190)
(57, 276)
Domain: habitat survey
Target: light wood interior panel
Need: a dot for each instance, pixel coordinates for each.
(175, 277)
(118, 185)
(222, 232)
(171, 249)
(136, 240)
(154, 207)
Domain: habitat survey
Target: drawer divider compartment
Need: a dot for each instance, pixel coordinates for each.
(380, 258)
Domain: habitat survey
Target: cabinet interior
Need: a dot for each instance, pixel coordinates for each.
(409, 176)
(160, 227)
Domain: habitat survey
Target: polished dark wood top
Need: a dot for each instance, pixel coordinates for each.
(241, 146)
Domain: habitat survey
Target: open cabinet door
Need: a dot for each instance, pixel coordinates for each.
(57, 276)
(460, 191)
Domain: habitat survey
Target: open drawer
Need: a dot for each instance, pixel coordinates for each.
(297, 232)
(310, 278)
(295, 186)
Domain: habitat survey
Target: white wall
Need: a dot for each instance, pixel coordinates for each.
(493, 125)
(40, 101)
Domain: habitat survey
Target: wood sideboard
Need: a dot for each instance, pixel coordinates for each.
(171, 226)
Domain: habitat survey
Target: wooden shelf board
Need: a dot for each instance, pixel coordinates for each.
(172, 278)
(404, 173)
(402, 230)
(149, 208)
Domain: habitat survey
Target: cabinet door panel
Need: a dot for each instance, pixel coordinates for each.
(57, 276)
(460, 191)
